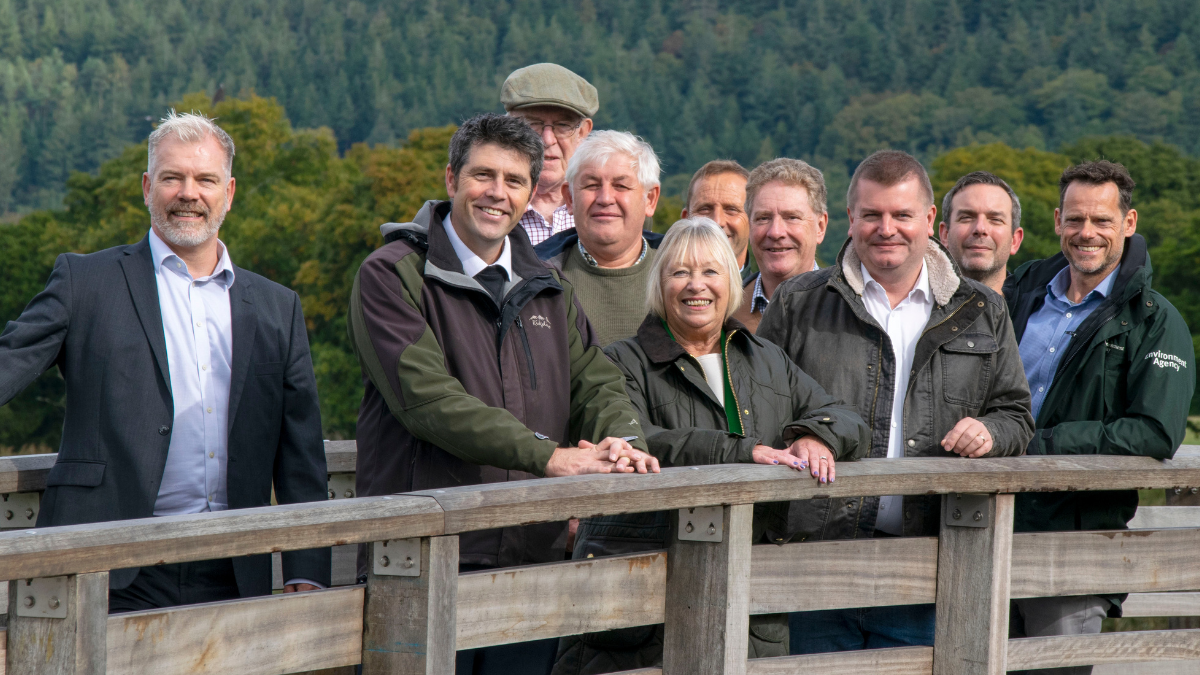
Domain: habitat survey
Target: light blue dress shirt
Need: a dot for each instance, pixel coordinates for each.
(1051, 328)
(199, 335)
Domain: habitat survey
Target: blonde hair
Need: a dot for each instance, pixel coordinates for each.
(189, 128)
(693, 239)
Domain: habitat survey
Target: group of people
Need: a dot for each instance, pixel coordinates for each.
(529, 326)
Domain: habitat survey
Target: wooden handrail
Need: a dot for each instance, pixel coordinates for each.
(114, 545)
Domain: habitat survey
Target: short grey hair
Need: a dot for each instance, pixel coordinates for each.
(189, 127)
(981, 178)
(600, 146)
(695, 238)
(792, 172)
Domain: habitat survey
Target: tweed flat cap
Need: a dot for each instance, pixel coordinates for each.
(549, 84)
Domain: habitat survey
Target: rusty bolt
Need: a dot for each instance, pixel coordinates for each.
(53, 602)
(408, 563)
(384, 561)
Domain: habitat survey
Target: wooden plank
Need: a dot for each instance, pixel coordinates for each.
(707, 614)
(3, 650)
(340, 456)
(1160, 517)
(1149, 668)
(409, 622)
(518, 604)
(971, 633)
(850, 573)
(74, 645)
(275, 634)
(891, 661)
(1161, 604)
(132, 543)
(1048, 564)
(1081, 650)
(25, 473)
(479, 507)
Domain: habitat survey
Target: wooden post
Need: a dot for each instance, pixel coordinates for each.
(72, 642)
(974, 558)
(707, 616)
(409, 624)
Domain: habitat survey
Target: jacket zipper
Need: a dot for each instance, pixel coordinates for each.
(729, 375)
(528, 354)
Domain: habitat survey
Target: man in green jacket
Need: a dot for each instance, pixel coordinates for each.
(1110, 367)
(445, 319)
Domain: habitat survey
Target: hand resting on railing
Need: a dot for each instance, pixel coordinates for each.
(611, 455)
(800, 455)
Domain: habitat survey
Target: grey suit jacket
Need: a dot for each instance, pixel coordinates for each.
(98, 320)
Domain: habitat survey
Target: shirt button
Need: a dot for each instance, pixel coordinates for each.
(1040, 389)
(211, 497)
(970, 344)
(210, 409)
(164, 430)
(177, 265)
(1068, 315)
(199, 325)
(1052, 350)
(211, 454)
(893, 425)
(912, 443)
(206, 367)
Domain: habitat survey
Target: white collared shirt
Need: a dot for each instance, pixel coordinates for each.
(473, 264)
(904, 325)
(198, 328)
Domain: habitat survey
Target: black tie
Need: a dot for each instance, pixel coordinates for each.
(492, 278)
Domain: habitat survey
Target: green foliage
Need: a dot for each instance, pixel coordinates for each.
(824, 80)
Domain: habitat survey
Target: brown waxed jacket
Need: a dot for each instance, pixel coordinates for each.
(966, 365)
(454, 392)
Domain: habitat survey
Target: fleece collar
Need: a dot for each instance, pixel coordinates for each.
(943, 275)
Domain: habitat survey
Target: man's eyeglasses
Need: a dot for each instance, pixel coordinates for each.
(560, 129)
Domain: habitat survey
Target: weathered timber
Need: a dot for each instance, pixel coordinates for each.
(3, 651)
(479, 507)
(340, 456)
(892, 661)
(707, 611)
(409, 622)
(25, 473)
(971, 635)
(1160, 517)
(1081, 650)
(275, 634)
(71, 645)
(1048, 564)
(1149, 668)
(1161, 604)
(841, 574)
(568, 598)
(133, 543)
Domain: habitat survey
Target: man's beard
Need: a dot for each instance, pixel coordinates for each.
(186, 236)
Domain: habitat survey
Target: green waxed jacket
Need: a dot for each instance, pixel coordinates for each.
(462, 390)
(1123, 387)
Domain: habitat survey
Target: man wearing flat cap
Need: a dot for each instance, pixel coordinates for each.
(558, 105)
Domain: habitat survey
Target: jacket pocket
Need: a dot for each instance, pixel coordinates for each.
(967, 369)
(76, 472)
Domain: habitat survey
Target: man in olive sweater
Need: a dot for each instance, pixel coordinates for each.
(612, 188)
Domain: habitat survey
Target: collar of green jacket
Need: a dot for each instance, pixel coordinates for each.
(660, 348)
(427, 233)
(1025, 289)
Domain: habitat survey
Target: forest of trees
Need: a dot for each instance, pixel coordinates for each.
(342, 112)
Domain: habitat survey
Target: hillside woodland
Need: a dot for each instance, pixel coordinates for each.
(342, 112)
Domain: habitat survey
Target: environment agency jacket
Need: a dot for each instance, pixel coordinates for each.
(966, 365)
(1123, 387)
(461, 390)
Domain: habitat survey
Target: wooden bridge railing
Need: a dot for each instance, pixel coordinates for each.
(416, 610)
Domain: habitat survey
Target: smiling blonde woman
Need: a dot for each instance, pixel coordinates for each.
(707, 391)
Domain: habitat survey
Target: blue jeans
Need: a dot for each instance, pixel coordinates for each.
(841, 630)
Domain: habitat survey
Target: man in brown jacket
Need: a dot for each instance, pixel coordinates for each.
(445, 319)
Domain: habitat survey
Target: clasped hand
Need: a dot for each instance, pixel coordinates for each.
(805, 453)
(611, 455)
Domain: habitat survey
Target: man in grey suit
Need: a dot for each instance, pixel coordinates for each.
(189, 382)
